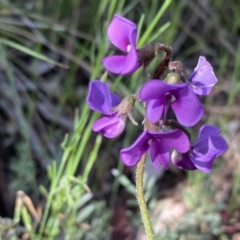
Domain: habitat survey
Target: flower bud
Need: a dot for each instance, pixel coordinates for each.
(179, 68)
(173, 78)
(176, 157)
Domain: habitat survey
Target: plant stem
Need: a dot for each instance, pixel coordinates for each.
(163, 66)
(141, 201)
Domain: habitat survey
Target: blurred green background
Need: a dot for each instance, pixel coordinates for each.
(58, 179)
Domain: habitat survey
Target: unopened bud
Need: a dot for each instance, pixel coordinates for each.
(176, 157)
(179, 68)
(147, 53)
(173, 78)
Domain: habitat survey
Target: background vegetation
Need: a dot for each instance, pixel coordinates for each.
(59, 180)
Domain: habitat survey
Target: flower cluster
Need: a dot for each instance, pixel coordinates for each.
(176, 91)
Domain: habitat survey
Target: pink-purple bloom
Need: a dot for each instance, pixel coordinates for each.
(208, 147)
(160, 96)
(101, 99)
(203, 78)
(159, 144)
(122, 33)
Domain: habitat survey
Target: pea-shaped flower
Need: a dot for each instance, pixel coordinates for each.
(160, 95)
(101, 99)
(159, 144)
(123, 34)
(209, 146)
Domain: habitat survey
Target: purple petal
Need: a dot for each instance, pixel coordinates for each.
(110, 126)
(122, 65)
(175, 139)
(184, 163)
(187, 107)
(115, 99)
(114, 64)
(203, 77)
(205, 152)
(155, 89)
(122, 33)
(131, 64)
(206, 131)
(207, 148)
(100, 98)
(132, 155)
(155, 92)
(155, 110)
(159, 154)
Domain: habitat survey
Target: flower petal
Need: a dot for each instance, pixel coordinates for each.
(100, 98)
(155, 110)
(206, 131)
(110, 126)
(184, 163)
(132, 155)
(187, 107)
(114, 64)
(115, 99)
(131, 64)
(122, 33)
(122, 65)
(205, 152)
(156, 89)
(203, 77)
(159, 154)
(175, 139)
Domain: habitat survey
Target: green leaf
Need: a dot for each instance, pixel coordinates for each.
(30, 52)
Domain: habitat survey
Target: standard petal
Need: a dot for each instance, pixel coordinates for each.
(187, 107)
(184, 163)
(159, 154)
(132, 155)
(122, 33)
(203, 77)
(175, 139)
(109, 127)
(205, 152)
(155, 110)
(100, 98)
(206, 131)
(155, 89)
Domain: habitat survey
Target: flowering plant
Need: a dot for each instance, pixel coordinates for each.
(102, 100)
(123, 34)
(176, 90)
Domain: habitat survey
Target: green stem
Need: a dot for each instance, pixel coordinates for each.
(54, 184)
(141, 201)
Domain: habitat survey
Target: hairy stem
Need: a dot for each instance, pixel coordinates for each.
(163, 66)
(141, 201)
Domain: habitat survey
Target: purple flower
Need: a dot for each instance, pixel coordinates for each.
(202, 154)
(123, 34)
(203, 78)
(101, 99)
(159, 144)
(183, 100)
